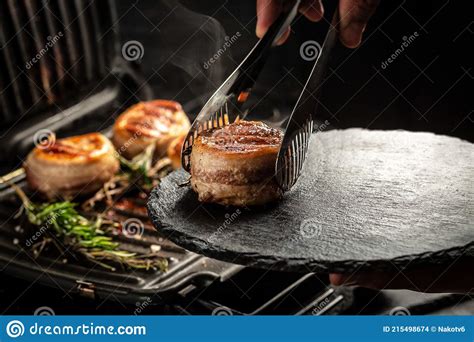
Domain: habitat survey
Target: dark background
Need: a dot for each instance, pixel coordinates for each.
(427, 88)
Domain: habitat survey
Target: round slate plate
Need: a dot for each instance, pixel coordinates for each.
(371, 199)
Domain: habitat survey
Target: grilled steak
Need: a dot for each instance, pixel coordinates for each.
(235, 164)
(71, 166)
(154, 122)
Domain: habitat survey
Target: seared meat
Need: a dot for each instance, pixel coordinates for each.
(71, 166)
(154, 122)
(235, 164)
(174, 151)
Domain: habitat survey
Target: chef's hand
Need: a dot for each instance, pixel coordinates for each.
(354, 15)
(454, 277)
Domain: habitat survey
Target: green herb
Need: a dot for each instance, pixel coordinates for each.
(139, 172)
(138, 169)
(86, 237)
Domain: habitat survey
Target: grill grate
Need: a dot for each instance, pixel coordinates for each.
(186, 269)
(50, 48)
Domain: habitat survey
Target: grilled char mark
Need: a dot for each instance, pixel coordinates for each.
(152, 118)
(242, 137)
(88, 146)
(156, 122)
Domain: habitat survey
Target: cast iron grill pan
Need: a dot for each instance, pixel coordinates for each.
(186, 269)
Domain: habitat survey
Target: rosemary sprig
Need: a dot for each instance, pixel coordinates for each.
(138, 168)
(140, 171)
(87, 237)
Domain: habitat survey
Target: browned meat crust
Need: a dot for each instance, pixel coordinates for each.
(71, 166)
(235, 164)
(156, 122)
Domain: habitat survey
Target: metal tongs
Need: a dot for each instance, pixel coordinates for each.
(225, 105)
